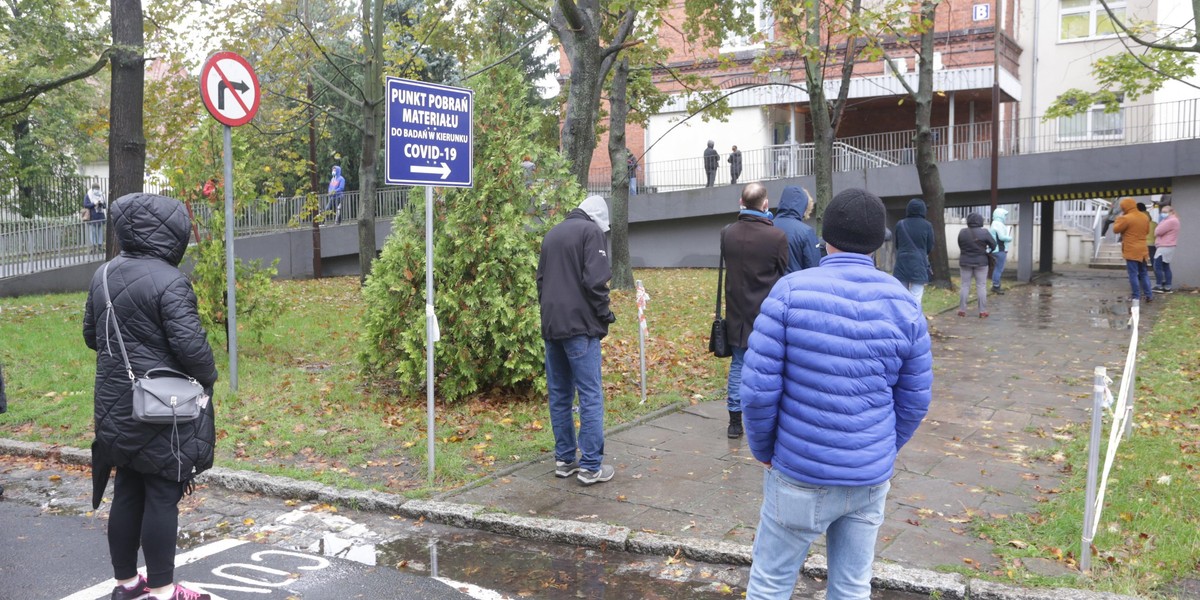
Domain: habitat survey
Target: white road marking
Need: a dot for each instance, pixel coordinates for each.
(473, 591)
(104, 588)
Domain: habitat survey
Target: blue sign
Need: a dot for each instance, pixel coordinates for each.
(429, 130)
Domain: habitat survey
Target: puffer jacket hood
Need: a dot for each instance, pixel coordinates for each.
(151, 226)
(974, 220)
(793, 203)
(1000, 214)
(916, 208)
(597, 210)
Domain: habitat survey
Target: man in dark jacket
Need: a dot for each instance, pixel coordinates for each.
(838, 377)
(756, 256)
(914, 242)
(712, 160)
(572, 281)
(795, 205)
(155, 308)
(735, 165)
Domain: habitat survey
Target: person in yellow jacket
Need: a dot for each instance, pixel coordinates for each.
(1133, 227)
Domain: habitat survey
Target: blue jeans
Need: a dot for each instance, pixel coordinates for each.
(733, 398)
(1001, 258)
(573, 365)
(794, 514)
(1138, 275)
(632, 185)
(1162, 272)
(96, 232)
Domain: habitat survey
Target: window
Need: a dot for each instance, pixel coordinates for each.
(764, 29)
(1095, 124)
(1085, 19)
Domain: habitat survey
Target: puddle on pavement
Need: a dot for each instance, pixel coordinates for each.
(524, 568)
(1109, 315)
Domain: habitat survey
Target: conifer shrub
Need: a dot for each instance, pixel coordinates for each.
(486, 243)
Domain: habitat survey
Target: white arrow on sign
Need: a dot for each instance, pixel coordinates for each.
(444, 170)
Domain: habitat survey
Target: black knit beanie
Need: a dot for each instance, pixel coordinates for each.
(855, 221)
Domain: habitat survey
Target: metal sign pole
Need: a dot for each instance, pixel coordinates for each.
(230, 287)
(431, 329)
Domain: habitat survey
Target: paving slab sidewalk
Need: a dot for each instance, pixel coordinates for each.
(1002, 386)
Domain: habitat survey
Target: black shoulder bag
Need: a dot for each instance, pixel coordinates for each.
(718, 339)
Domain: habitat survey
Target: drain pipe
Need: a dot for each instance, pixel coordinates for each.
(1037, 34)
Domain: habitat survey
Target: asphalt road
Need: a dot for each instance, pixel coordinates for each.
(53, 557)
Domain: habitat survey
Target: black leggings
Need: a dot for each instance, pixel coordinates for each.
(145, 512)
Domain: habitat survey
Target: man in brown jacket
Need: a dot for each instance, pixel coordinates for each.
(1133, 226)
(756, 256)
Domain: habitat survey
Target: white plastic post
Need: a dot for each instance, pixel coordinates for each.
(1093, 467)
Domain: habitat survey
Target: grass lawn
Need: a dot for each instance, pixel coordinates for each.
(326, 424)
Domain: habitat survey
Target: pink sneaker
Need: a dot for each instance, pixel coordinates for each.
(139, 591)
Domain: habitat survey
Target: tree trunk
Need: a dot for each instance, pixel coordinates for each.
(126, 141)
(618, 153)
(927, 169)
(372, 35)
(823, 136)
(578, 139)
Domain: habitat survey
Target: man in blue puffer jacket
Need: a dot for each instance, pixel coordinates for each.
(837, 378)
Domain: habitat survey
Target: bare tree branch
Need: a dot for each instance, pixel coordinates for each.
(575, 19)
(537, 14)
(1195, 47)
(33, 90)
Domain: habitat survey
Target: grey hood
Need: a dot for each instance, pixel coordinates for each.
(974, 220)
(149, 225)
(597, 210)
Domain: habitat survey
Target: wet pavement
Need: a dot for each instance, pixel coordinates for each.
(1003, 388)
(244, 540)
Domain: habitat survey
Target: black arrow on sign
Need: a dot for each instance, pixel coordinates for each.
(221, 87)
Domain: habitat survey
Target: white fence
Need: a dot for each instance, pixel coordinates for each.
(1122, 426)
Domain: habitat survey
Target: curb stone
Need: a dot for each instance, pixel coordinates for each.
(471, 516)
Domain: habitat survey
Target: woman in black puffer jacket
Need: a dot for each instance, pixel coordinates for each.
(155, 307)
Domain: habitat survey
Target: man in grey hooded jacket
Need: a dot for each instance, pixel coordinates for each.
(572, 282)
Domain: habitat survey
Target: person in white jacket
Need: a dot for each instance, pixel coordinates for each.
(1003, 236)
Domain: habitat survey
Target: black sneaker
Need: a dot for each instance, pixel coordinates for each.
(605, 473)
(998, 290)
(139, 591)
(565, 469)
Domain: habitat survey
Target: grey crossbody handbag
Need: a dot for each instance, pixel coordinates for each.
(168, 400)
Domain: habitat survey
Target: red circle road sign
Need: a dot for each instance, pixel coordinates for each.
(229, 88)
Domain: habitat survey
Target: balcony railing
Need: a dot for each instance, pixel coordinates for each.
(1164, 122)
